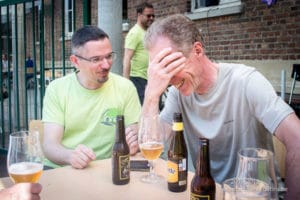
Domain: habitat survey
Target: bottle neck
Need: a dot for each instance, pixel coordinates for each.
(120, 130)
(203, 165)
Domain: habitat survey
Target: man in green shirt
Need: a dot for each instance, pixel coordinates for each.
(80, 109)
(135, 62)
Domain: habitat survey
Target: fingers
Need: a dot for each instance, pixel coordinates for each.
(26, 191)
(36, 188)
(81, 156)
(132, 138)
(167, 61)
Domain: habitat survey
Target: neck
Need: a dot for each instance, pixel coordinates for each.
(87, 83)
(141, 25)
(208, 76)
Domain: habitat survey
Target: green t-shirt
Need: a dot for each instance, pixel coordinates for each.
(88, 116)
(139, 61)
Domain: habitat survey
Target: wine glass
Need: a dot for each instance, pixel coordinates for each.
(258, 164)
(151, 145)
(25, 157)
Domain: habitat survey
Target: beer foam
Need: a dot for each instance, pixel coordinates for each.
(151, 145)
(25, 168)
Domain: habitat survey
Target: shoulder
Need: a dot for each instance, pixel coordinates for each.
(135, 31)
(62, 82)
(236, 72)
(120, 81)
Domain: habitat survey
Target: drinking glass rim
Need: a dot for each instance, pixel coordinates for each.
(255, 150)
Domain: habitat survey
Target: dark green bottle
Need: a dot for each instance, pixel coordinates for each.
(120, 155)
(203, 185)
(177, 157)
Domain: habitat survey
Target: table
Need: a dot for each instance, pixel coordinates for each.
(95, 182)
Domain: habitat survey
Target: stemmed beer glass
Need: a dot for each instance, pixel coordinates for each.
(257, 165)
(25, 157)
(151, 144)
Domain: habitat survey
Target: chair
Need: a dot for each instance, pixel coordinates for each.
(37, 125)
(280, 154)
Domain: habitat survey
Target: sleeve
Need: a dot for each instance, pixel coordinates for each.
(52, 108)
(267, 106)
(131, 41)
(132, 108)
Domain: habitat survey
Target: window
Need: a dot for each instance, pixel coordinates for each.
(69, 18)
(213, 8)
(204, 3)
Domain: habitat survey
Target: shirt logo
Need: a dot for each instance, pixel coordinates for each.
(109, 116)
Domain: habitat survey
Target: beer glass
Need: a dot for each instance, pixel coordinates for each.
(245, 189)
(25, 157)
(150, 141)
(258, 164)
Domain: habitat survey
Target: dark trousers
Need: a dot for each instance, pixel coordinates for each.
(140, 85)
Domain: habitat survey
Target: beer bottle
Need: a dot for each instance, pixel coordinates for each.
(120, 155)
(203, 185)
(177, 157)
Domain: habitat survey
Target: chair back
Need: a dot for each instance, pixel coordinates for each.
(280, 154)
(37, 125)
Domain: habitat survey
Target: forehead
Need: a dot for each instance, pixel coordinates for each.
(159, 44)
(96, 47)
(148, 11)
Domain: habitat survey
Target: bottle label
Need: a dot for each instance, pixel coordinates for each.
(124, 167)
(172, 172)
(177, 126)
(199, 197)
(175, 168)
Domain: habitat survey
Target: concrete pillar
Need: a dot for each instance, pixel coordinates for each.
(110, 20)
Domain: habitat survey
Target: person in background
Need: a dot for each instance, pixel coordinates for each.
(232, 105)
(21, 191)
(80, 109)
(135, 61)
(4, 63)
(29, 72)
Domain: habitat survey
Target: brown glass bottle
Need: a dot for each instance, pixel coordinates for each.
(203, 185)
(177, 157)
(120, 155)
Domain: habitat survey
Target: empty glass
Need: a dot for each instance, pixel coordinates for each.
(245, 189)
(258, 164)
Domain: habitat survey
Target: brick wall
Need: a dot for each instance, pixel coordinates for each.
(259, 33)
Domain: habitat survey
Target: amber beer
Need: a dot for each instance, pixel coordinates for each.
(120, 155)
(177, 157)
(25, 172)
(203, 185)
(151, 150)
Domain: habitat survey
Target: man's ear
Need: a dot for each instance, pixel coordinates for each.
(74, 60)
(198, 48)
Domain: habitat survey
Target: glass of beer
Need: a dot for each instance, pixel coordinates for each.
(151, 145)
(25, 157)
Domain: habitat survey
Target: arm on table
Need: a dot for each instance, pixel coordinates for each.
(79, 157)
(22, 191)
(128, 53)
(288, 132)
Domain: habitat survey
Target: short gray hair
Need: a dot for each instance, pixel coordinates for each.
(181, 31)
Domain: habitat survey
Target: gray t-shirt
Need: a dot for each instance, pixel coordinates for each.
(240, 111)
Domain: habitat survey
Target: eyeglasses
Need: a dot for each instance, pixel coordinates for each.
(99, 59)
(149, 15)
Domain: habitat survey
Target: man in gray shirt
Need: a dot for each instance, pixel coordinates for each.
(232, 105)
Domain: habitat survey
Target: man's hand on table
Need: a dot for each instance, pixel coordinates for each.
(81, 156)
